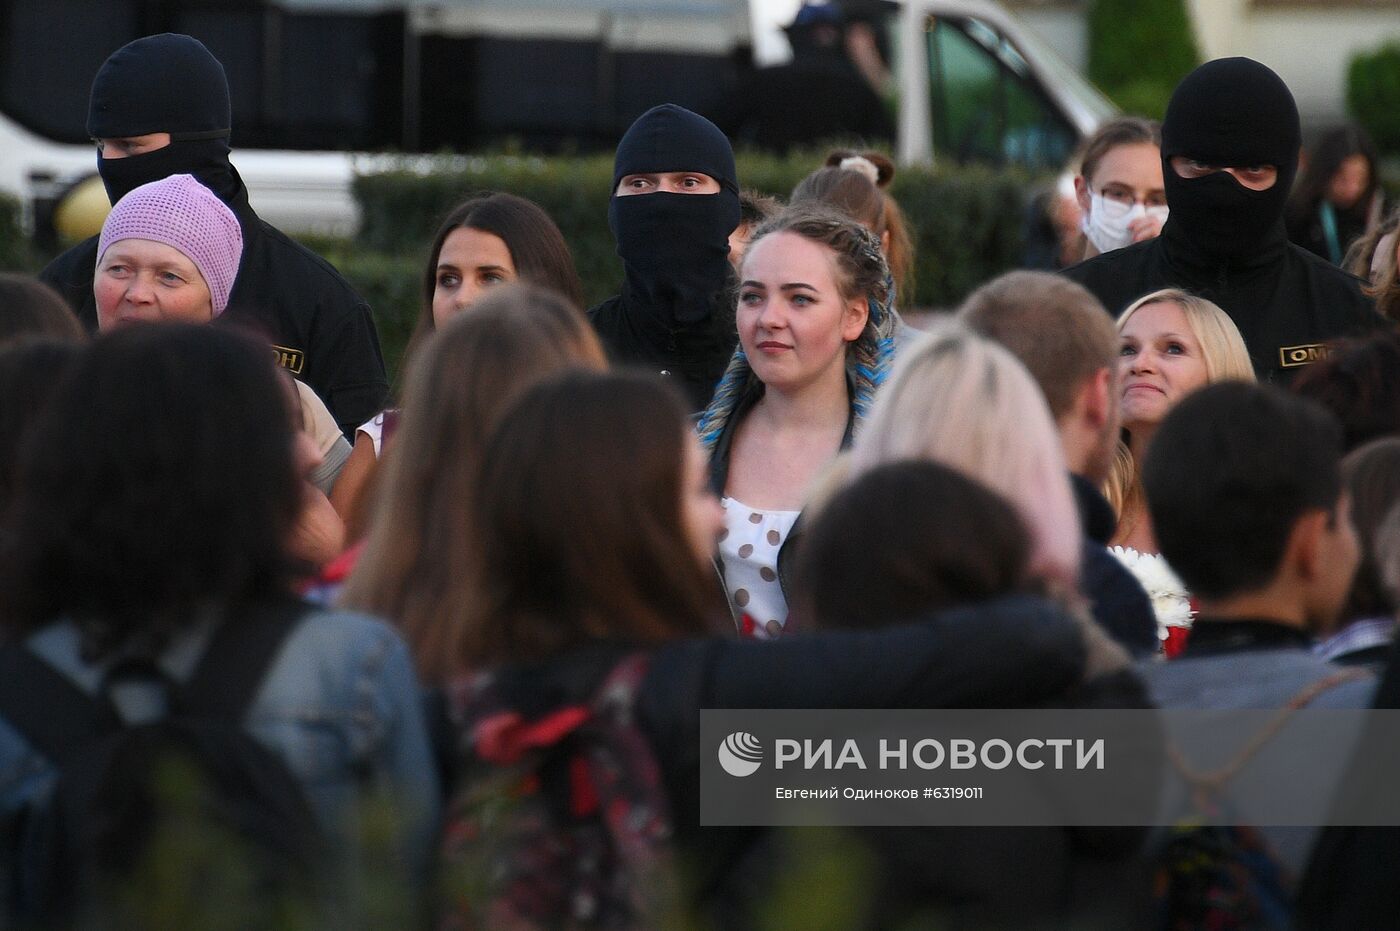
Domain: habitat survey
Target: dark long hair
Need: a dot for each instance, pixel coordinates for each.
(1324, 160)
(536, 246)
(580, 523)
(1372, 477)
(159, 482)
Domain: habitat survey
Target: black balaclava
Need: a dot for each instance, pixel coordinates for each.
(1231, 112)
(675, 247)
(163, 84)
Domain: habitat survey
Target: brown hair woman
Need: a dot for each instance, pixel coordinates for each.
(412, 567)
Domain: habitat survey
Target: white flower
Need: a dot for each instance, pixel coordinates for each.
(1171, 602)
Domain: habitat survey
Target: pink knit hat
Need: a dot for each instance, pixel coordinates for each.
(185, 215)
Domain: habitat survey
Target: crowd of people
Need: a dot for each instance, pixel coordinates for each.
(454, 643)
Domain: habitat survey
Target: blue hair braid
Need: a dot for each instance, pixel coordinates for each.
(731, 387)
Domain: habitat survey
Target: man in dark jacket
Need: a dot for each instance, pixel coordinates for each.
(1061, 334)
(1245, 490)
(160, 106)
(1229, 153)
(675, 201)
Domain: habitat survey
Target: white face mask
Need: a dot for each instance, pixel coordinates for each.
(1106, 223)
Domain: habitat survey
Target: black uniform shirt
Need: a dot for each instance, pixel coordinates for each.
(694, 354)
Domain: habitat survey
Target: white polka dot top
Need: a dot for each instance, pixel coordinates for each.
(748, 548)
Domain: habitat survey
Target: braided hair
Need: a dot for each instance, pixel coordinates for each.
(861, 271)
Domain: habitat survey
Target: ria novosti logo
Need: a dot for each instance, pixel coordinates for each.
(740, 754)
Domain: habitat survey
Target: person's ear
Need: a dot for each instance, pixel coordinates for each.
(1081, 193)
(885, 242)
(739, 242)
(853, 321)
(1303, 554)
(1096, 398)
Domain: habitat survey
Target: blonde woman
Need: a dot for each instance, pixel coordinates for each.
(966, 402)
(815, 342)
(1171, 343)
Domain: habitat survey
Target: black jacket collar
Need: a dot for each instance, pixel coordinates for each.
(1211, 637)
(1190, 262)
(653, 327)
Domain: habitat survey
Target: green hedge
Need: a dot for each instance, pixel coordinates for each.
(1139, 50)
(1373, 94)
(967, 222)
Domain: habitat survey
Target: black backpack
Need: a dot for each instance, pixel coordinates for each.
(189, 807)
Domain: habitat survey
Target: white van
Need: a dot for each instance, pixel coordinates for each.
(319, 85)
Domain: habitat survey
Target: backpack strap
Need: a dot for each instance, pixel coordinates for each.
(52, 712)
(56, 716)
(1214, 780)
(237, 659)
(622, 778)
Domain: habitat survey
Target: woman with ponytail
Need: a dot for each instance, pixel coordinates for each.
(857, 184)
(815, 341)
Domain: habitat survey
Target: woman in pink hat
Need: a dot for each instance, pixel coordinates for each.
(169, 250)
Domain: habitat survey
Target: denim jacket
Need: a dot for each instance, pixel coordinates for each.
(339, 704)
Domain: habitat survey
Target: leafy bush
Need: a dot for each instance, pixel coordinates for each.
(1139, 50)
(968, 227)
(1373, 94)
(967, 222)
